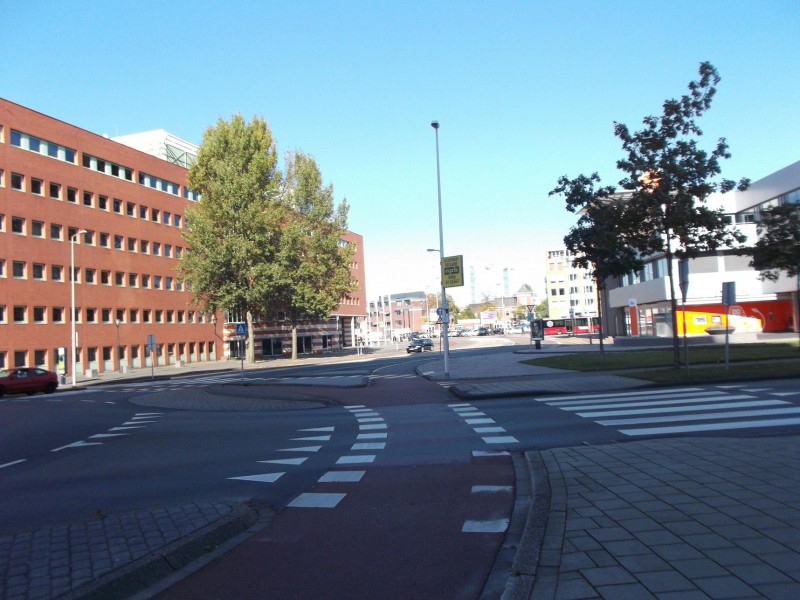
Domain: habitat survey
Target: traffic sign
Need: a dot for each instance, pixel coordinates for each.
(440, 311)
(241, 330)
(452, 271)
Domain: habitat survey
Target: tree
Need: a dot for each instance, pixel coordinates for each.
(778, 247)
(668, 183)
(670, 179)
(310, 273)
(601, 240)
(231, 231)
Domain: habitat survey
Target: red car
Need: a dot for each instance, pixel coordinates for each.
(26, 380)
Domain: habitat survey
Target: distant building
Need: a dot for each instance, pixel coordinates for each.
(396, 316)
(571, 291)
(121, 211)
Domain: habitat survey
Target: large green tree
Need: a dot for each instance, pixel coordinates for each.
(231, 231)
(310, 272)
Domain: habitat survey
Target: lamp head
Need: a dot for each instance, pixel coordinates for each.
(435, 124)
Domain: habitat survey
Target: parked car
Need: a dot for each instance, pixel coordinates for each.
(483, 331)
(25, 380)
(420, 344)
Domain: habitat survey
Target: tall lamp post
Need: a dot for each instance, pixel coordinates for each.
(445, 306)
(72, 303)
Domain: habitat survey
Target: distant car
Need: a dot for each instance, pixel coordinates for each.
(483, 331)
(26, 380)
(420, 344)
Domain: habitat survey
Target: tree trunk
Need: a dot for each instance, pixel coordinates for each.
(294, 341)
(599, 321)
(250, 343)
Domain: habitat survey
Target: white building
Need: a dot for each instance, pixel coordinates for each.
(571, 291)
(639, 303)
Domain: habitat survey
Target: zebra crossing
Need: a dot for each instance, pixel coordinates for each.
(683, 410)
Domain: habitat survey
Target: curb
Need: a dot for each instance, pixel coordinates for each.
(154, 567)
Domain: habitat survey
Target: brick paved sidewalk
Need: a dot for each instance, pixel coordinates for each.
(673, 518)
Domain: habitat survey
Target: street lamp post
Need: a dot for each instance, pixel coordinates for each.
(119, 359)
(72, 303)
(445, 306)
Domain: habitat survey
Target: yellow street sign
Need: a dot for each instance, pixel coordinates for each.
(452, 271)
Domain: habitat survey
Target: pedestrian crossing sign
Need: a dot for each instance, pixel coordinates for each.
(241, 330)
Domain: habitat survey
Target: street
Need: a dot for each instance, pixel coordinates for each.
(368, 479)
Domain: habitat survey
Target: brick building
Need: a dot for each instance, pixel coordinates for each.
(70, 196)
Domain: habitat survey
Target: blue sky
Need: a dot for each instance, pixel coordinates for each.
(524, 91)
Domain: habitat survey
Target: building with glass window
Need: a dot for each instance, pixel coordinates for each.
(638, 304)
(74, 199)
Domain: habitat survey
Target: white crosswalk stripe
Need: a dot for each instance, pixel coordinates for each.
(681, 410)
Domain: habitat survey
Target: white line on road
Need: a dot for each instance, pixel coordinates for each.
(711, 427)
(704, 417)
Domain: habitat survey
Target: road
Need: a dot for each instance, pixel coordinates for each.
(395, 489)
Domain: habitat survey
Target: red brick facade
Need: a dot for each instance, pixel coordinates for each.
(57, 181)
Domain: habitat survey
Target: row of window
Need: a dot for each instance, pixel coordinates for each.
(587, 289)
(187, 351)
(91, 238)
(44, 147)
(58, 314)
(55, 191)
(40, 272)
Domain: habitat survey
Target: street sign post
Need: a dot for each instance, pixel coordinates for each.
(241, 333)
(151, 344)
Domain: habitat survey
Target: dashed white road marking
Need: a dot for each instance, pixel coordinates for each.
(356, 459)
(316, 500)
(503, 439)
(263, 478)
(78, 444)
(12, 463)
(313, 438)
(320, 429)
(371, 446)
(487, 526)
(491, 489)
(368, 426)
(286, 461)
(485, 421)
(302, 449)
(342, 477)
(372, 436)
